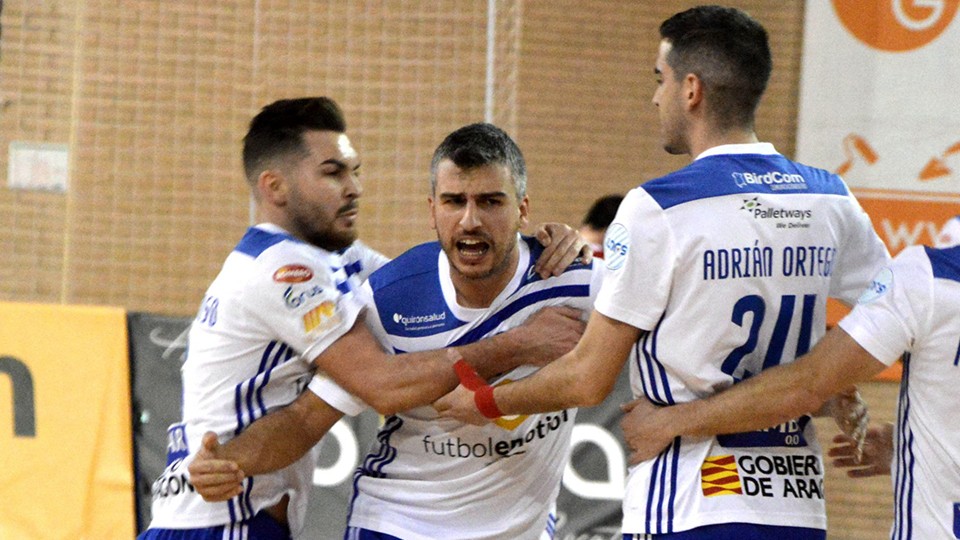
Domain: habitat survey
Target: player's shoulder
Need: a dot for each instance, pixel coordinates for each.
(737, 174)
(277, 257)
(944, 262)
(415, 264)
(534, 249)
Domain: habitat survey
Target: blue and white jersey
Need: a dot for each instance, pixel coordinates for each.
(914, 306)
(427, 478)
(726, 266)
(275, 306)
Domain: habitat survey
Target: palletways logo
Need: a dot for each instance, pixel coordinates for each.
(775, 180)
(759, 211)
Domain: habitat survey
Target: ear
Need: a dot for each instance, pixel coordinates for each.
(433, 213)
(524, 212)
(273, 187)
(692, 91)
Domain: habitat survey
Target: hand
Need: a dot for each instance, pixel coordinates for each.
(460, 405)
(646, 429)
(876, 456)
(562, 245)
(215, 479)
(549, 334)
(851, 415)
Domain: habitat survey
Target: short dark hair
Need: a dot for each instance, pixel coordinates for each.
(729, 51)
(277, 131)
(477, 145)
(602, 211)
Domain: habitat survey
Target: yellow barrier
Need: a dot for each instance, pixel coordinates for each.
(65, 435)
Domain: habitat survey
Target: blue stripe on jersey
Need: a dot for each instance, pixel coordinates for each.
(945, 262)
(353, 268)
(487, 326)
(232, 510)
(375, 461)
(653, 375)
(551, 525)
(663, 486)
(903, 484)
(256, 241)
(243, 399)
(730, 174)
(246, 497)
(282, 356)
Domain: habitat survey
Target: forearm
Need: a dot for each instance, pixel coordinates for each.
(581, 378)
(421, 378)
(757, 403)
(416, 379)
(282, 437)
(554, 387)
(778, 394)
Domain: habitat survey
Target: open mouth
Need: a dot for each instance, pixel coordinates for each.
(472, 248)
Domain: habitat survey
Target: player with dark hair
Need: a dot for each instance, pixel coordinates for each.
(718, 271)
(286, 315)
(597, 219)
(911, 309)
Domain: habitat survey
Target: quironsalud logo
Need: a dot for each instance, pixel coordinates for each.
(419, 319)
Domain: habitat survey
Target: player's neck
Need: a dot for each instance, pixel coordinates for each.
(707, 139)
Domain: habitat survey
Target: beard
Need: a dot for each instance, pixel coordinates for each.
(323, 232)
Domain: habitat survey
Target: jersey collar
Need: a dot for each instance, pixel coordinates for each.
(749, 148)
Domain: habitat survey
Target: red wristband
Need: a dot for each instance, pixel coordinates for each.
(483, 398)
(469, 378)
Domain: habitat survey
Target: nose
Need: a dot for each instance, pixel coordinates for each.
(352, 188)
(471, 217)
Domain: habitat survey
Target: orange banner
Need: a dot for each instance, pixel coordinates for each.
(65, 433)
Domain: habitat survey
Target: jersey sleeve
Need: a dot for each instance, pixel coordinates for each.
(338, 398)
(331, 392)
(306, 300)
(894, 309)
(861, 256)
(639, 256)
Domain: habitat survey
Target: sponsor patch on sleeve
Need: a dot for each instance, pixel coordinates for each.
(878, 287)
(321, 317)
(616, 245)
(293, 273)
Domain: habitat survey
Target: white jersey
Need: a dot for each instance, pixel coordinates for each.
(914, 306)
(726, 266)
(428, 478)
(276, 305)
